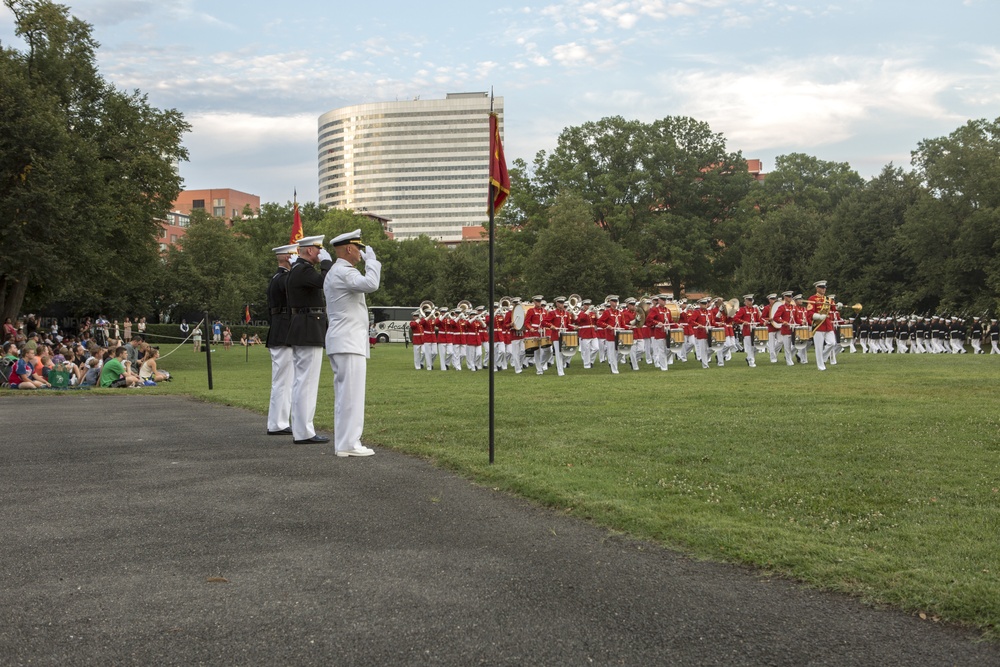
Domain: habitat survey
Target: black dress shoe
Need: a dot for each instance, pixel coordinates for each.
(315, 438)
(284, 431)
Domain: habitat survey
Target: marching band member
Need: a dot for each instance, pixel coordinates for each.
(783, 316)
(417, 338)
(690, 343)
(430, 340)
(656, 320)
(588, 334)
(631, 306)
(773, 332)
(533, 326)
(516, 339)
(700, 323)
(994, 332)
(819, 309)
(801, 319)
(747, 317)
(443, 335)
(611, 319)
(644, 335)
(557, 321)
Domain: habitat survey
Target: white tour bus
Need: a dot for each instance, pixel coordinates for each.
(390, 324)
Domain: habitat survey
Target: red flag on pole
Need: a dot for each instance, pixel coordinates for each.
(296, 222)
(246, 315)
(499, 178)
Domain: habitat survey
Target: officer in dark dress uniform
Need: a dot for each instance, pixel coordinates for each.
(282, 368)
(307, 333)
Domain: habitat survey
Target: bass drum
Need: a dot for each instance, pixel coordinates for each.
(517, 317)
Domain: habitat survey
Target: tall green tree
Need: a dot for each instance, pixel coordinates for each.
(953, 234)
(575, 255)
(85, 171)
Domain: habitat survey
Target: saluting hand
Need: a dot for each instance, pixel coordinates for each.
(369, 254)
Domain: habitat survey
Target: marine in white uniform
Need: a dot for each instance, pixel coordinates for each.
(282, 370)
(306, 333)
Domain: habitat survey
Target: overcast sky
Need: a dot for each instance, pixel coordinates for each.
(858, 81)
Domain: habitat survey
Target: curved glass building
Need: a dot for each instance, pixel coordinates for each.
(423, 164)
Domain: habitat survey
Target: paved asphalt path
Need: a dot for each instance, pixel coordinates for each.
(150, 530)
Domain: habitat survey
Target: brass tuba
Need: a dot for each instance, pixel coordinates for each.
(427, 308)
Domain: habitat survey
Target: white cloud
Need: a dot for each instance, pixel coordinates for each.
(809, 103)
(571, 54)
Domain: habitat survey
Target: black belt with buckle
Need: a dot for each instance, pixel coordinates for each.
(278, 311)
(308, 311)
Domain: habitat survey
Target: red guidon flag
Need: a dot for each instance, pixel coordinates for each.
(246, 315)
(296, 224)
(499, 178)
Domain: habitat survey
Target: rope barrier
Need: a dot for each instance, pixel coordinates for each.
(182, 343)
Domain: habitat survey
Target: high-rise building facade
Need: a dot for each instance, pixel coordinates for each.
(423, 164)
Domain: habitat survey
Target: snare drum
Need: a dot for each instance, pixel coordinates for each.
(760, 335)
(803, 334)
(676, 338)
(624, 339)
(530, 345)
(569, 340)
(545, 342)
(846, 331)
(717, 337)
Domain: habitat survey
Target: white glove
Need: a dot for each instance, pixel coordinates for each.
(369, 254)
(324, 255)
(818, 317)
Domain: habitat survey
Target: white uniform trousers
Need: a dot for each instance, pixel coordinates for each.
(803, 354)
(349, 372)
(282, 372)
(500, 356)
(308, 364)
(659, 346)
(517, 354)
(825, 342)
(786, 344)
(635, 353)
(690, 343)
(976, 346)
(443, 355)
(702, 352)
(418, 356)
(611, 354)
(773, 345)
(993, 347)
(429, 350)
(750, 350)
(559, 360)
(589, 353)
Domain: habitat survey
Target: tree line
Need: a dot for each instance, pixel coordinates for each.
(619, 206)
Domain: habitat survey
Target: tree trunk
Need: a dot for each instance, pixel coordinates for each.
(11, 297)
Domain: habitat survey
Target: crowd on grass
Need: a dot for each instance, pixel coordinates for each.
(38, 354)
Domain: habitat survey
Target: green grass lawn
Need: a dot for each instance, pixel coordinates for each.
(878, 477)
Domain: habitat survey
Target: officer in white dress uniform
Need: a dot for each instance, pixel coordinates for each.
(282, 370)
(347, 343)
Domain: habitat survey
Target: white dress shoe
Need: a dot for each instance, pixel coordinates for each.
(360, 450)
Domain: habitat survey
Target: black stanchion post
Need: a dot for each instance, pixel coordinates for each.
(208, 351)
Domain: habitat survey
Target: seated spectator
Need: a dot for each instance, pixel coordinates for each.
(256, 340)
(92, 374)
(76, 372)
(23, 376)
(149, 370)
(9, 330)
(115, 372)
(9, 350)
(243, 340)
(46, 364)
(132, 348)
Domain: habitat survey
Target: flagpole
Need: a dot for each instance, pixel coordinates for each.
(491, 299)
